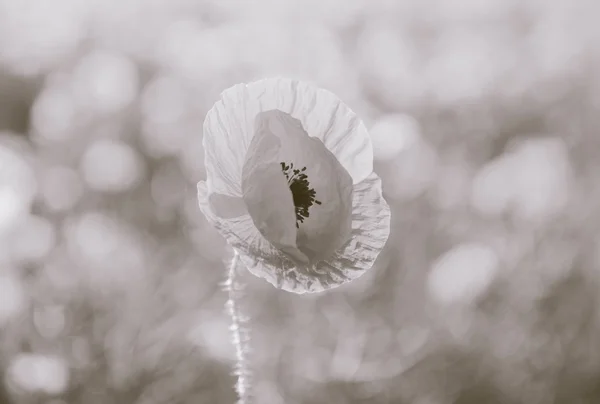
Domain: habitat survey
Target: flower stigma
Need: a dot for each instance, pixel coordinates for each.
(302, 194)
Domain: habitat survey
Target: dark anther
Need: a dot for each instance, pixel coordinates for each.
(303, 195)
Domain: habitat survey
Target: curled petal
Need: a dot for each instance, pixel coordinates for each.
(370, 231)
(228, 130)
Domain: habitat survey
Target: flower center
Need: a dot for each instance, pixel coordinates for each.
(303, 195)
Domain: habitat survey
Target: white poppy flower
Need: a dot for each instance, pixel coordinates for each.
(290, 184)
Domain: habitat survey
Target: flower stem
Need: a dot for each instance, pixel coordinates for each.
(240, 332)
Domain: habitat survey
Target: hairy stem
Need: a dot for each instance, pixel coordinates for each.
(240, 332)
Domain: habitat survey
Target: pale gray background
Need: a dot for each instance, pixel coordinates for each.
(484, 115)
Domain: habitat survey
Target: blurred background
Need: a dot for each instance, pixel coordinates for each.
(484, 117)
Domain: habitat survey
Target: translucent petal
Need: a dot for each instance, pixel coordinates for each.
(239, 230)
(326, 224)
(324, 116)
(227, 207)
(228, 134)
(229, 128)
(267, 194)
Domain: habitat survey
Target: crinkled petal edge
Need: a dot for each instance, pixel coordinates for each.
(370, 231)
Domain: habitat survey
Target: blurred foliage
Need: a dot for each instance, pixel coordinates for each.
(484, 120)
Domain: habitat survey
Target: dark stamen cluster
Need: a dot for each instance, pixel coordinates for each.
(303, 195)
